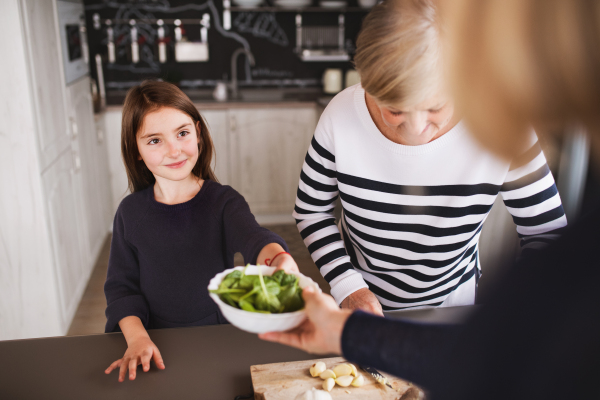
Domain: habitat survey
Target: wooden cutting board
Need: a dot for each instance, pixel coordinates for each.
(284, 381)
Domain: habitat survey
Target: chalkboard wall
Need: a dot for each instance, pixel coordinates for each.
(271, 36)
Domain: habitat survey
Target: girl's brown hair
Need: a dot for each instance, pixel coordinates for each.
(148, 97)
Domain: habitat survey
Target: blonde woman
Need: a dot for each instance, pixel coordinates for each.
(414, 185)
(514, 62)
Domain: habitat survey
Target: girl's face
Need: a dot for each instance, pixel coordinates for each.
(168, 144)
(419, 124)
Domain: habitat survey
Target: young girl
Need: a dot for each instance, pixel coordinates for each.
(177, 229)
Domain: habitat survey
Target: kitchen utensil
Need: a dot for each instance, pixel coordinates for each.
(135, 47)
(352, 77)
(284, 381)
(333, 3)
(247, 3)
(256, 322)
(162, 45)
(292, 3)
(220, 92)
(367, 3)
(321, 43)
(192, 51)
(332, 80)
(376, 375)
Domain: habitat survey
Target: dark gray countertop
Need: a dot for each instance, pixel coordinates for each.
(210, 362)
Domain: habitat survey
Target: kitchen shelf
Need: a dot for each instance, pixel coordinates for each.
(301, 9)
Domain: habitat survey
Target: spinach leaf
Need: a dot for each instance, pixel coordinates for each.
(278, 276)
(288, 279)
(263, 294)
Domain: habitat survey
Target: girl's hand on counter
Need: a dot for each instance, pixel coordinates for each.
(139, 351)
(321, 332)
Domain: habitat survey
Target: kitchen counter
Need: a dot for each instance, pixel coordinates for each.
(211, 362)
(249, 98)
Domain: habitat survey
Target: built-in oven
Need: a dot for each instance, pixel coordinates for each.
(73, 37)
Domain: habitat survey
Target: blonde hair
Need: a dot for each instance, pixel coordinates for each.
(398, 52)
(514, 63)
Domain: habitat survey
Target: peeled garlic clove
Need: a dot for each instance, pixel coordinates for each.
(354, 371)
(327, 374)
(317, 368)
(358, 381)
(328, 384)
(344, 381)
(342, 370)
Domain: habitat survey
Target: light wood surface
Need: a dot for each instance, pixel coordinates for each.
(285, 381)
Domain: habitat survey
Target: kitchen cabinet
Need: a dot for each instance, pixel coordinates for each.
(47, 82)
(89, 153)
(268, 147)
(62, 188)
(54, 207)
(217, 126)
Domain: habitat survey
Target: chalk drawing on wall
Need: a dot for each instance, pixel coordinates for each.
(147, 34)
(263, 25)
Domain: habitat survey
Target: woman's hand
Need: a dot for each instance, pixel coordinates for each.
(139, 351)
(321, 332)
(363, 299)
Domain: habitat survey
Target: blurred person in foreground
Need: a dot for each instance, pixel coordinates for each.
(415, 186)
(512, 63)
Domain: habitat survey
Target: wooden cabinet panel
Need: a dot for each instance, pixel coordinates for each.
(217, 126)
(267, 151)
(46, 74)
(93, 165)
(62, 188)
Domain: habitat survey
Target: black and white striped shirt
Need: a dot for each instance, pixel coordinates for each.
(412, 215)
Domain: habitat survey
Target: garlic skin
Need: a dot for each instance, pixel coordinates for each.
(344, 381)
(314, 394)
(328, 384)
(354, 371)
(327, 374)
(317, 368)
(358, 381)
(342, 370)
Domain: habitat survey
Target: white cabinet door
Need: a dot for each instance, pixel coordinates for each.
(61, 184)
(45, 71)
(217, 126)
(268, 148)
(117, 174)
(94, 168)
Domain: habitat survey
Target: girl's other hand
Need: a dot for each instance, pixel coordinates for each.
(139, 351)
(275, 256)
(285, 262)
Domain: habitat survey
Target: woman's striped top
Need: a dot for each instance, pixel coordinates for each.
(412, 215)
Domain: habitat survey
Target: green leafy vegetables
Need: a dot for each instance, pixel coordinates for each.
(278, 293)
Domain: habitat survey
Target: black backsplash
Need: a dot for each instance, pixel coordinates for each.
(270, 36)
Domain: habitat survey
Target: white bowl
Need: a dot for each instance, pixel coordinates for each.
(257, 322)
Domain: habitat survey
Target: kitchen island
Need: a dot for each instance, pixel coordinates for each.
(211, 362)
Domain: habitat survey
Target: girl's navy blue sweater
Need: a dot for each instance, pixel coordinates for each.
(162, 257)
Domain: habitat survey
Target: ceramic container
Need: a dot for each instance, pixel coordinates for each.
(256, 322)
